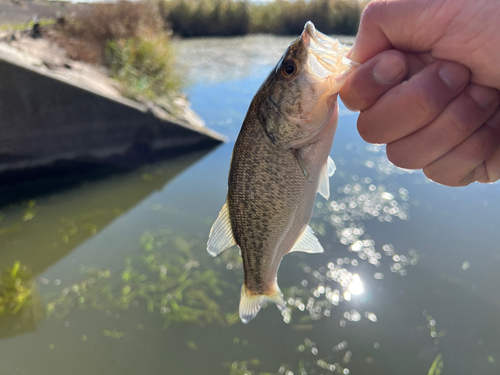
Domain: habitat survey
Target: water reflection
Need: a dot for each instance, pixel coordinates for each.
(425, 255)
(37, 233)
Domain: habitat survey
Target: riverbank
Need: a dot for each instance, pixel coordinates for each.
(189, 18)
(122, 109)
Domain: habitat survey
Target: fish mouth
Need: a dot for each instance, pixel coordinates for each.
(326, 56)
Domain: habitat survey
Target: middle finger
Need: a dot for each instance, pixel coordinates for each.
(413, 104)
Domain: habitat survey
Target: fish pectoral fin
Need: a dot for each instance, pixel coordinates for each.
(302, 164)
(324, 178)
(331, 166)
(221, 235)
(250, 304)
(308, 243)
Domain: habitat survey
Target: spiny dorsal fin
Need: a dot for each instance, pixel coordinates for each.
(308, 243)
(250, 304)
(324, 178)
(221, 235)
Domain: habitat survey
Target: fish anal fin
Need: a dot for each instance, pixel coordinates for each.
(308, 243)
(221, 235)
(250, 304)
(324, 178)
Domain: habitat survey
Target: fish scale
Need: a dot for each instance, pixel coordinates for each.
(280, 161)
(265, 186)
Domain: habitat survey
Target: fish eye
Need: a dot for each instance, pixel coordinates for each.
(288, 69)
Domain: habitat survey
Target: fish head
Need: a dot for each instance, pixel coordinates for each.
(300, 96)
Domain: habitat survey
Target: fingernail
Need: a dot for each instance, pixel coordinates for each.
(388, 69)
(454, 75)
(484, 96)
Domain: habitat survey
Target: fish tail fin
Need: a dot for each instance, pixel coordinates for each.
(250, 304)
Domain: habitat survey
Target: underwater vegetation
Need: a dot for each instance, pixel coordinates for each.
(16, 289)
(165, 279)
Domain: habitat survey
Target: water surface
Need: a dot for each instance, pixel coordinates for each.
(121, 282)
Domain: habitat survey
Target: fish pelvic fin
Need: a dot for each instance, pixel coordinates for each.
(308, 243)
(221, 235)
(324, 178)
(250, 304)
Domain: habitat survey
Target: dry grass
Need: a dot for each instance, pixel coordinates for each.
(85, 36)
(128, 38)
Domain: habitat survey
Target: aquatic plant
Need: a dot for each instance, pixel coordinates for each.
(165, 280)
(437, 366)
(15, 289)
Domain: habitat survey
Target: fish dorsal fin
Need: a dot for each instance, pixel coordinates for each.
(250, 304)
(324, 178)
(221, 235)
(308, 243)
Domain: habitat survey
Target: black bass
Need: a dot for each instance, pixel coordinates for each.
(280, 161)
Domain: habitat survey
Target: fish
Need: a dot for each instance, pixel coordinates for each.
(280, 161)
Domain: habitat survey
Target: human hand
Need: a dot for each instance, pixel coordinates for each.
(431, 120)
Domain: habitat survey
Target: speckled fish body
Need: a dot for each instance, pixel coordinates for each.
(280, 161)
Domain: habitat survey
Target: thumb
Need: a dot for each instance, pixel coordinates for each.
(406, 25)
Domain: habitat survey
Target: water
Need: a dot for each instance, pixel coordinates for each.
(121, 282)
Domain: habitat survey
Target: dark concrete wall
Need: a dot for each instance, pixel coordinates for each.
(44, 119)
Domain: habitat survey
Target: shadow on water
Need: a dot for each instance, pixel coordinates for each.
(63, 175)
(67, 210)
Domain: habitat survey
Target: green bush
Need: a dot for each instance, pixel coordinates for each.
(145, 66)
(231, 17)
(207, 18)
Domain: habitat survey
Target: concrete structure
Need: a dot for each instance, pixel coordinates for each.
(50, 114)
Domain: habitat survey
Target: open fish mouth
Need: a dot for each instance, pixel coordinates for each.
(326, 56)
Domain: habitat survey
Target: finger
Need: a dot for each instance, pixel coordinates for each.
(459, 120)
(493, 162)
(372, 79)
(393, 24)
(466, 162)
(414, 103)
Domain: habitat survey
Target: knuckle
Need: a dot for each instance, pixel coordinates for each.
(473, 148)
(372, 9)
(424, 106)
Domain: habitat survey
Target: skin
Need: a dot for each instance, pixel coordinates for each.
(428, 86)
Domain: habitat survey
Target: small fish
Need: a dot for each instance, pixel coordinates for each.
(280, 161)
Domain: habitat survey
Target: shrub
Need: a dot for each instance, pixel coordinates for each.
(146, 66)
(207, 18)
(130, 40)
(288, 18)
(85, 36)
(232, 17)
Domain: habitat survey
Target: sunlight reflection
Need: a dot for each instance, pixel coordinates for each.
(356, 286)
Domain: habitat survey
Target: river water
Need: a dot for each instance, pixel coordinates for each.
(119, 280)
